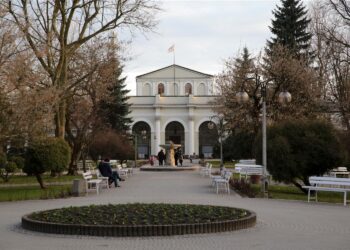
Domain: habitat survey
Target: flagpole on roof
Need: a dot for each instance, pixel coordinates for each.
(172, 49)
(174, 69)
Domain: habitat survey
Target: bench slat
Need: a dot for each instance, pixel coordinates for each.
(335, 189)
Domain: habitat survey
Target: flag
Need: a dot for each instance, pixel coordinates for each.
(171, 49)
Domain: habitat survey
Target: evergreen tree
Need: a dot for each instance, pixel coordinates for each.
(115, 109)
(244, 65)
(289, 28)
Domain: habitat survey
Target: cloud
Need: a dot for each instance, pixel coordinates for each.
(204, 33)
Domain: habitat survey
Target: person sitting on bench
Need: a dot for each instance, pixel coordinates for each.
(106, 170)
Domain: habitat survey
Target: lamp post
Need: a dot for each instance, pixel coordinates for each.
(283, 97)
(221, 129)
(135, 134)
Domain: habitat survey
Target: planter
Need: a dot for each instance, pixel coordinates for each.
(255, 179)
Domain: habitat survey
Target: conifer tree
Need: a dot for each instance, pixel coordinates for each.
(289, 28)
(115, 108)
(118, 108)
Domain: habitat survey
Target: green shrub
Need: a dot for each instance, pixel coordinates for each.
(3, 159)
(61, 155)
(18, 160)
(239, 146)
(344, 137)
(46, 154)
(297, 150)
(7, 168)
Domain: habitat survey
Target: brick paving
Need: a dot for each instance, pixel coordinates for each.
(281, 224)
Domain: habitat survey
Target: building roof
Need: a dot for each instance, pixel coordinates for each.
(168, 72)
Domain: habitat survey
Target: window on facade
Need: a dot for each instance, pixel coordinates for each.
(201, 89)
(176, 89)
(161, 89)
(188, 89)
(146, 90)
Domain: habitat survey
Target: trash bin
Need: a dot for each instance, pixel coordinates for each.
(79, 187)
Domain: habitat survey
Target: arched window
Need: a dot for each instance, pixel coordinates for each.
(146, 90)
(188, 89)
(201, 89)
(161, 89)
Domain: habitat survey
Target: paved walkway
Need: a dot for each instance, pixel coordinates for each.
(281, 224)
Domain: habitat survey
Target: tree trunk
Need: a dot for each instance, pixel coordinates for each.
(76, 153)
(40, 180)
(299, 186)
(60, 119)
(53, 174)
(73, 165)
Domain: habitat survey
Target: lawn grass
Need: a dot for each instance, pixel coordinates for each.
(23, 179)
(216, 163)
(287, 192)
(34, 193)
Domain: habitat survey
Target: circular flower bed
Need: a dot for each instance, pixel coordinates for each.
(139, 219)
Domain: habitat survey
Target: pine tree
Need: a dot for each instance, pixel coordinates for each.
(115, 108)
(289, 28)
(244, 65)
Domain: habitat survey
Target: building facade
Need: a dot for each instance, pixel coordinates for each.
(173, 103)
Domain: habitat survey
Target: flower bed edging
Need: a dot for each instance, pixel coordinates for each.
(139, 230)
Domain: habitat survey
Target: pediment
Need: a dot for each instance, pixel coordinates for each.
(168, 72)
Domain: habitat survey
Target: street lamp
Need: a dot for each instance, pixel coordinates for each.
(284, 97)
(135, 134)
(221, 129)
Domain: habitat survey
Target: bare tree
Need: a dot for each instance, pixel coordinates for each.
(55, 30)
(332, 57)
(238, 75)
(280, 72)
(25, 106)
(83, 116)
(283, 72)
(341, 10)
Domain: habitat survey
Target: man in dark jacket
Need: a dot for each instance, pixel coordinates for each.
(161, 157)
(106, 170)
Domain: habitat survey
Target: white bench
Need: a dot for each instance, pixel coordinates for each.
(206, 171)
(130, 171)
(339, 171)
(123, 173)
(89, 165)
(222, 182)
(104, 179)
(91, 184)
(248, 161)
(330, 184)
(248, 169)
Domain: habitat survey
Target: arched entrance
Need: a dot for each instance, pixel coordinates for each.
(142, 134)
(175, 132)
(208, 138)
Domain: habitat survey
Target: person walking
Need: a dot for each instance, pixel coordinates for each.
(181, 158)
(176, 156)
(161, 157)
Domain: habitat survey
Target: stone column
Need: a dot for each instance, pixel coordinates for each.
(157, 136)
(190, 149)
(191, 137)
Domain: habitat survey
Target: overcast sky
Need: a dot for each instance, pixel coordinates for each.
(205, 33)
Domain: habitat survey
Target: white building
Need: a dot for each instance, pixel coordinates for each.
(173, 103)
